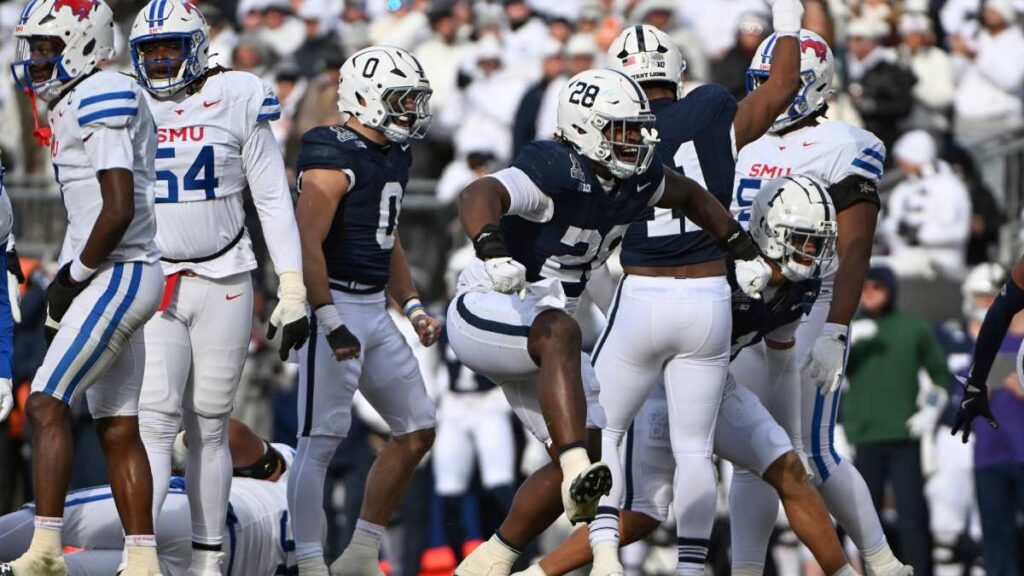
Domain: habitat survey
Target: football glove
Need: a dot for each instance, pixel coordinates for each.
(61, 293)
(290, 314)
(6, 398)
(342, 341)
(507, 276)
(753, 276)
(973, 404)
(824, 364)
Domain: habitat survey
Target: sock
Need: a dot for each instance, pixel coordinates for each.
(849, 500)
(754, 507)
(846, 570)
(141, 552)
(306, 495)
(606, 553)
(502, 551)
(573, 461)
(367, 535)
(693, 555)
(881, 560)
(605, 527)
(208, 477)
(47, 537)
(533, 570)
(158, 431)
(207, 560)
(747, 569)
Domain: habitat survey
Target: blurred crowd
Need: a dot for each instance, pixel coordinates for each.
(933, 79)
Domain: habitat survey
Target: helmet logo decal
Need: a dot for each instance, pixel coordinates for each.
(819, 48)
(80, 8)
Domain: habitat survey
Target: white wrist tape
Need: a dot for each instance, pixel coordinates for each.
(80, 272)
(786, 17)
(328, 318)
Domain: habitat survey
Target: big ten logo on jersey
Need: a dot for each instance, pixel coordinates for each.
(576, 172)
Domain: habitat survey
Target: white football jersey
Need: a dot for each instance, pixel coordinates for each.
(210, 144)
(104, 123)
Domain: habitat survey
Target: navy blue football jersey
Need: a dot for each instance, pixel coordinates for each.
(588, 222)
(359, 243)
(753, 319)
(696, 140)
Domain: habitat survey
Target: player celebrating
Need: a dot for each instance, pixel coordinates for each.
(103, 145)
(676, 279)
(215, 141)
(849, 161)
(795, 228)
(352, 178)
(563, 207)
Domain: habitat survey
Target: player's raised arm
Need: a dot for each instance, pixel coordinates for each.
(704, 210)
(322, 191)
(481, 206)
(762, 106)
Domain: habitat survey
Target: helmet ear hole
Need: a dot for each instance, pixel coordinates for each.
(360, 99)
(89, 47)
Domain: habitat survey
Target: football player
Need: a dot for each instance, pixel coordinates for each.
(795, 228)
(675, 281)
(102, 145)
(8, 305)
(539, 228)
(849, 161)
(214, 142)
(259, 535)
(352, 178)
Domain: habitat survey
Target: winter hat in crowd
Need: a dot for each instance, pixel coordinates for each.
(916, 147)
(1004, 8)
(912, 22)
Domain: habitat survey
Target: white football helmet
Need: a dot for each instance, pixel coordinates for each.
(606, 116)
(794, 223)
(817, 66)
(386, 89)
(983, 280)
(84, 27)
(647, 54)
(175, 20)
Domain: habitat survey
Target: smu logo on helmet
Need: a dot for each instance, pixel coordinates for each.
(80, 8)
(819, 48)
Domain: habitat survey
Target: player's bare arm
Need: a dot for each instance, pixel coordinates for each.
(402, 289)
(760, 108)
(481, 205)
(857, 230)
(322, 191)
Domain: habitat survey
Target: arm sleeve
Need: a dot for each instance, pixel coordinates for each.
(997, 321)
(853, 190)
(264, 169)
(525, 198)
(109, 147)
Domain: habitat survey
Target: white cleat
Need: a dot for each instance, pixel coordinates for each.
(606, 560)
(483, 563)
(206, 563)
(903, 570)
(30, 564)
(581, 495)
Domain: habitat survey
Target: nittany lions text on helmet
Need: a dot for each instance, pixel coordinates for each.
(817, 66)
(647, 54)
(171, 21)
(606, 117)
(793, 222)
(386, 89)
(80, 34)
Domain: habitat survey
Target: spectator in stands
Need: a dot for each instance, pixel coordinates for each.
(320, 21)
(222, 35)
(731, 70)
(524, 40)
(440, 56)
(887, 410)
(404, 27)
(881, 89)
(282, 32)
(928, 219)
(535, 115)
(988, 97)
(933, 92)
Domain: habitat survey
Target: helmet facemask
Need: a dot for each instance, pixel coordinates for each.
(406, 113)
(627, 144)
(160, 71)
(806, 250)
(38, 67)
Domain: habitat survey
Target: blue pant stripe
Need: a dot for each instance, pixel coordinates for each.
(819, 462)
(832, 428)
(108, 333)
(87, 328)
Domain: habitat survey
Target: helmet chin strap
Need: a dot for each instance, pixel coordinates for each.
(42, 134)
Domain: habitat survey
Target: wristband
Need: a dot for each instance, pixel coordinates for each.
(79, 272)
(738, 244)
(786, 17)
(413, 309)
(488, 243)
(328, 318)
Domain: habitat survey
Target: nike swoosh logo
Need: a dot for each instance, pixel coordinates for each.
(208, 104)
(809, 144)
(230, 297)
(642, 187)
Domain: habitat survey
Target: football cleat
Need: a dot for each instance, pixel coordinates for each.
(35, 565)
(581, 494)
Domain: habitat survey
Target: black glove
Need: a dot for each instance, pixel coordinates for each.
(14, 265)
(293, 336)
(344, 343)
(908, 233)
(973, 404)
(62, 292)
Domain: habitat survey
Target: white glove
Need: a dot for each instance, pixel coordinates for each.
(862, 329)
(507, 276)
(824, 363)
(786, 16)
(930, 402)
(753, 276)
(6, 398)
(14, 296)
